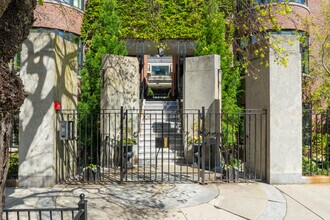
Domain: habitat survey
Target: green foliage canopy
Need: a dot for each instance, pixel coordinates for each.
(100, 33)
(213, 41)
(106, 22)
(161, 19)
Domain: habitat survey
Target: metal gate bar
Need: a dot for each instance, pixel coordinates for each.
(166, 146)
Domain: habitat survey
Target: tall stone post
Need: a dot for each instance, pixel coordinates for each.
(202, 88)
(48, 71)
(278, 90)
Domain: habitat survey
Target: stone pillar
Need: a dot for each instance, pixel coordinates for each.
(48, 71)
(120, 87)
(278, 90)
(202, 88)
(120, 82)
(202, 82)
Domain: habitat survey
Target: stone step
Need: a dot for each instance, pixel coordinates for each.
(152, 148)
(159, 126)
(153, 138)
(152, 163)
(160, 102)
(149, 152)
(160, 117)
(165, 157)
(171, 142)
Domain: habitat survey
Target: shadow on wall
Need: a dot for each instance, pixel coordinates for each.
(48, 73)
(120, 82)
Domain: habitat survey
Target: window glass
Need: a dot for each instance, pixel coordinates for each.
(160, 70)
(76, 3)
(279, 1)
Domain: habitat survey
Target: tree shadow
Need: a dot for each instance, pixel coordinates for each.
(46, 64)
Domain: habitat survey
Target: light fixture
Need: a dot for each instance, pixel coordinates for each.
(161, 51)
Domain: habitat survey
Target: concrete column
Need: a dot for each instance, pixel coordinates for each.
(202, 88)
(278, 90)
(120, 87)
(202, 82)
(48, 71)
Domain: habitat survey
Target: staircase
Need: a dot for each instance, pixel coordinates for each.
(160, 119)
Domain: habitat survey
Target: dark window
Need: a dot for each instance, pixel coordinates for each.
(279, 1)
(76, 3)
(160, 70)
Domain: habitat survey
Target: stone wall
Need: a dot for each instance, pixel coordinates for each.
(47, 78)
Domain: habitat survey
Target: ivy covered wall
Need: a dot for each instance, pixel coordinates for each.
(199, 20)
(161, 19)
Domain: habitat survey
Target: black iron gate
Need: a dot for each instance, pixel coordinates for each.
(161, 145)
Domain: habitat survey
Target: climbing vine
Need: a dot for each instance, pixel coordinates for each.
(100, 33)
(213, 41)
(161, 19)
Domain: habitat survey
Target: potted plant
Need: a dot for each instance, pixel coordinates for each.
(127, 144)
(91, 172)
(195, 142)
(231, 170)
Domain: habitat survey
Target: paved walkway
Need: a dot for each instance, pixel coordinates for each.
(183, 201)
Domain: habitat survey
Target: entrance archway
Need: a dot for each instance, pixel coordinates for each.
(168, 54)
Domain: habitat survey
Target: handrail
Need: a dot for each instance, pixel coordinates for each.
(80, 215)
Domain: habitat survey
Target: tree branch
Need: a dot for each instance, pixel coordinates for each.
(323, 54)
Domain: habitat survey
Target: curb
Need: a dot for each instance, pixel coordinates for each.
(276, 208)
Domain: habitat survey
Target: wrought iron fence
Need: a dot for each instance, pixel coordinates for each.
(77, 213)
(316, 143)
(161, 145)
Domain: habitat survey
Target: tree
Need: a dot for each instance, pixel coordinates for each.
(16, 18)
(100, 34)
(213, 40)
(317, 84)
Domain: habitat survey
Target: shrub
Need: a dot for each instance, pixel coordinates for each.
(13, 164)
(150, 93)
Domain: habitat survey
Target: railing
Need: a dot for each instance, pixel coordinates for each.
(167, 145)
(78, 213)
(316, 143)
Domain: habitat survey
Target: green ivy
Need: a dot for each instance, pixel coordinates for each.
(13, 164)
(100, 34)
(161, 19)
(213, 41)
(106, 23)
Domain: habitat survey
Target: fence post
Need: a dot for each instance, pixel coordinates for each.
(162, 146)
(203, 145)
(82, 205)
(121, 142)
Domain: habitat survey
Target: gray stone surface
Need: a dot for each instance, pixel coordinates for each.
(120, 82)
(158, 201)
(276, 207)
(250, 196)
(310, 201)
(201, 88)
(48, 71)
(278, 90)
(202, 82)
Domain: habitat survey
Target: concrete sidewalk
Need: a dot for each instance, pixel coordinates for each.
(183, 201)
